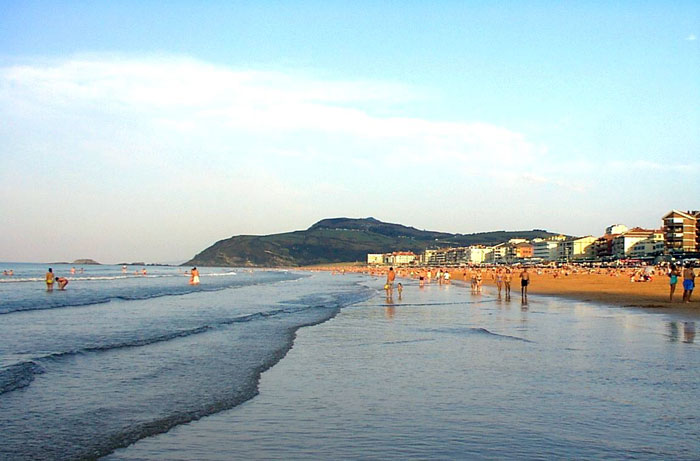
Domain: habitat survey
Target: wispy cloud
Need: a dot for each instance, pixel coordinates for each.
(691, 38)
(182, 99)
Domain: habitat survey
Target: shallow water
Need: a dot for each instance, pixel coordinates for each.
(115, 358)
(444, 374)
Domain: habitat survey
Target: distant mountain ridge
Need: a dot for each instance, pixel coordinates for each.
(336, 240)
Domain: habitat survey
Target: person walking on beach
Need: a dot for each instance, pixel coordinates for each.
(673, 274)
(390, 277)
(688, 282)
(507, 277)
(524, 282)
(49, 280)
(499, 281)
(62, 282)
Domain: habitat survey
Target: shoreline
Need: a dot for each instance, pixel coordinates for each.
(442, 375)
(615, 290)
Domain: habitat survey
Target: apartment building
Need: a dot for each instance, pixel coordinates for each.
(546, 250)
(498, 254)
(602, 247)
(681, 231)
(402, 258)
(576, 249)
(623, 245)
(477, 254)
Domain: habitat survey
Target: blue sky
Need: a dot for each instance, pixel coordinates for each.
(149, 130)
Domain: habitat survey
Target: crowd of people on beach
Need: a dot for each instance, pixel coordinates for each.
(502, 275)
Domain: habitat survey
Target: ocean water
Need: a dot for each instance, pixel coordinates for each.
(443, 374)
(119, 357)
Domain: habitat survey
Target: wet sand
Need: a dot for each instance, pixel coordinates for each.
(446, 374)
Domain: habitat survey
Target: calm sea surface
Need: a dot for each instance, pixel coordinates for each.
(168, 371)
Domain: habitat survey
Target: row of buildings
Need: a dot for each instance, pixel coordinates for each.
(679, 236)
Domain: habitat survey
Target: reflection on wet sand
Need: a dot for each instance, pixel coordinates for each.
(674, 329)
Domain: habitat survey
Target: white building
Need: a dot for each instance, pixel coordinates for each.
(375, 258)
(402, 258)
(546, 250)
(623, 244)
(498, 254)
(577, 248)
(649, 247)
(477, 254)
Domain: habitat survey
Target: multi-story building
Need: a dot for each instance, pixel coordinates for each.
(602, 247)
(649, 247)
(498, 254)
(477, 254)
(576, 248)
(524, 250)
(682, 231)
(402, 258)
(623, 244)
(546, 250)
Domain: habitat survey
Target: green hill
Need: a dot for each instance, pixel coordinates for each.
(339, 240)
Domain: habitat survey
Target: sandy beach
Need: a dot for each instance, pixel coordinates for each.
(616, 290)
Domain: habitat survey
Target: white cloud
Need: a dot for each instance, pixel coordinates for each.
(152, 145)
(179, 98)
(691, 38)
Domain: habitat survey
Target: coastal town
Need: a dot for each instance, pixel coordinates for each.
(678, 239)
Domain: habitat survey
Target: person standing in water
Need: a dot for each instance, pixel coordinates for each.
(49, 280)
(390, 277)
(194, 276)
(62, 282)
